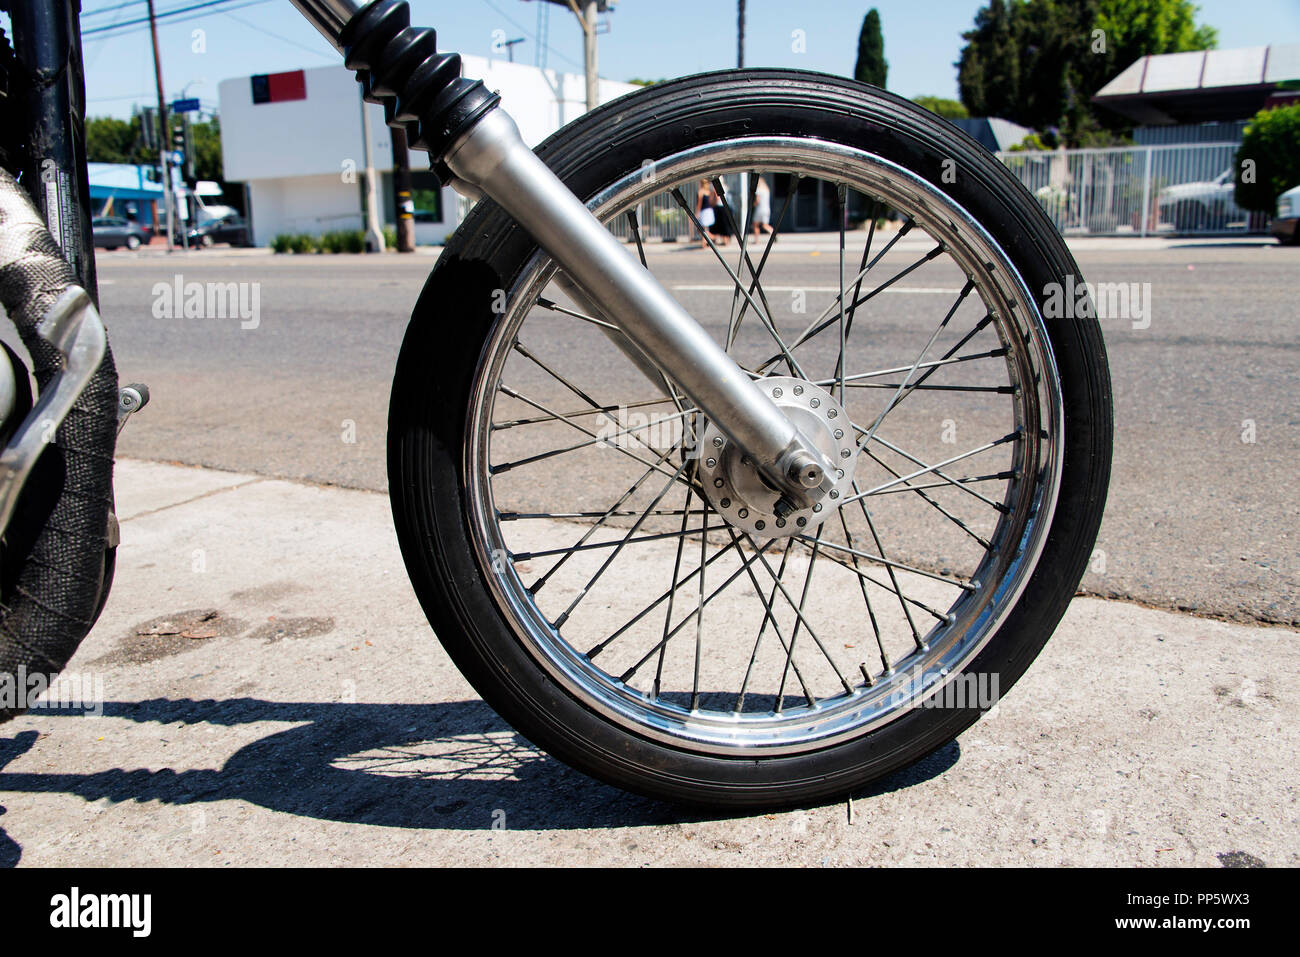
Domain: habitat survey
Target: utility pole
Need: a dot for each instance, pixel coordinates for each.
(586, 14)
(510, 48)
(402, 192)
(374, 235)
(740, 34)
(164, 137)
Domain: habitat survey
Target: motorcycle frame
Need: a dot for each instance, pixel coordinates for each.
(47, 96)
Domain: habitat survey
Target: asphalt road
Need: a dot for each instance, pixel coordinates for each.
(1203, 507)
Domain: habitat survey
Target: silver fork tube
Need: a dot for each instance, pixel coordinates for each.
(492, 157)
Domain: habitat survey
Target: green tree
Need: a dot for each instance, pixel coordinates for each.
(948, 109)
(871, 66)
(207, 150)
(1039, 62)
(1268, 162)
(110, 140)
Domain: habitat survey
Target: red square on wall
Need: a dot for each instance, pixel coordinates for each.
(287, 86)
(278, 87)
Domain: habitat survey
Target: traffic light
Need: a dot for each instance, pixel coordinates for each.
(149, 127)
(178, 138)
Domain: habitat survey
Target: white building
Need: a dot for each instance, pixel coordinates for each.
(300, 150)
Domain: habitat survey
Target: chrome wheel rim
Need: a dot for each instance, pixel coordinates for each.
(789, 717)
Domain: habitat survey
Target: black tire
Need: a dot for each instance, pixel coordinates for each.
(428, 425)
(1190, 216)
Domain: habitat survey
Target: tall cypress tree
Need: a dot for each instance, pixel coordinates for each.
(871, 66)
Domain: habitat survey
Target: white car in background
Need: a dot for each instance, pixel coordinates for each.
(1288, 216)
(1201, 205)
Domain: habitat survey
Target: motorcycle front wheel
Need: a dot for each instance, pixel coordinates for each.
(618, 589)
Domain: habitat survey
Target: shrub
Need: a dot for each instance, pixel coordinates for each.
(352, 241)
(390, 237)
(1272, 142)
(282, 243)
(948, 109)
(303, 243)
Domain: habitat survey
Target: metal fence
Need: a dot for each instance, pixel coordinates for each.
(1183, 189)
(1137, 191)
(662, 218)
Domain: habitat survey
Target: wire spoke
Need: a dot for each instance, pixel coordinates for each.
(907, 487)
(763, 317)
(609, 560)
(935, 363)
(677, 565)
(893, 578)
(762, 261)
(871, 614)
(615, 543)
(920, 357)
(841, 194)
(845, 563)
(794, 635)
(822, 323)
(998, 506)
(744, 241)
(631, 672)
(769, 314)
(776, 629)
(1009, 437)
(657, 466)
(601, 440)
(882, 560)
(522, 516)
(632, 622)
(576, 414)
(554, 306)
(799, 615)
(762, 628)
(537, 586)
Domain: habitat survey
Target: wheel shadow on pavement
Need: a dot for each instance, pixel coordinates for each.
(454, 765)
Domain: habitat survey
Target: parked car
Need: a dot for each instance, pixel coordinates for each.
(1288, 217)
(1199, 205)
(227, 229)
(111, 232)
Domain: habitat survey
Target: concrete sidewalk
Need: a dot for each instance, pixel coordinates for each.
(273, 695)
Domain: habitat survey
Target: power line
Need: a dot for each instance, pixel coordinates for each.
(120, 6)
(282, 39)
(167, 14)
(519, 26)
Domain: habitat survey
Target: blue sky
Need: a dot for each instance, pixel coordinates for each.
(647, 38)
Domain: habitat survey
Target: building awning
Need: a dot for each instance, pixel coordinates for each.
(124, 181)
(1205, 85)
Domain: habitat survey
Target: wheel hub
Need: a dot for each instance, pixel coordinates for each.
(744, 498)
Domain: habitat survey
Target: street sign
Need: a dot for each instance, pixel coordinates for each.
(185, 106)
